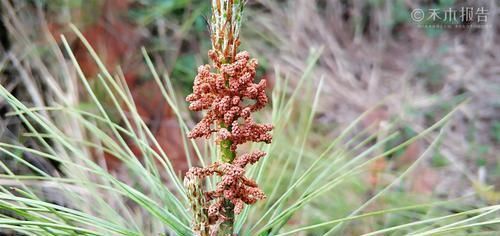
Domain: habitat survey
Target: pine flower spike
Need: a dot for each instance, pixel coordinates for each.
(223, 95)
(229, 96)
(234, 186)
(227, 92)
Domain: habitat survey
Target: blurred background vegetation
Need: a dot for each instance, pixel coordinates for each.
(370, 52)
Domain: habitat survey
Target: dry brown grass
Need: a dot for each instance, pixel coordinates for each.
(366, 59)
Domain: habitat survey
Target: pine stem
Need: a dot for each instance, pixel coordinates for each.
(227, 156)
(227, 227)
(221, 31)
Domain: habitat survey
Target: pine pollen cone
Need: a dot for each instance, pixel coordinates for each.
(229, 95)
(234, 186)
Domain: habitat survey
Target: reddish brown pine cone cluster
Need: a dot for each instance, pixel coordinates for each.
(224, 95)
(230, 96)
(234, 186)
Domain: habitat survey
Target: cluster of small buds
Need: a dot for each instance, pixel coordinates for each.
(234, 186)
(224, 95)
(229, 95)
